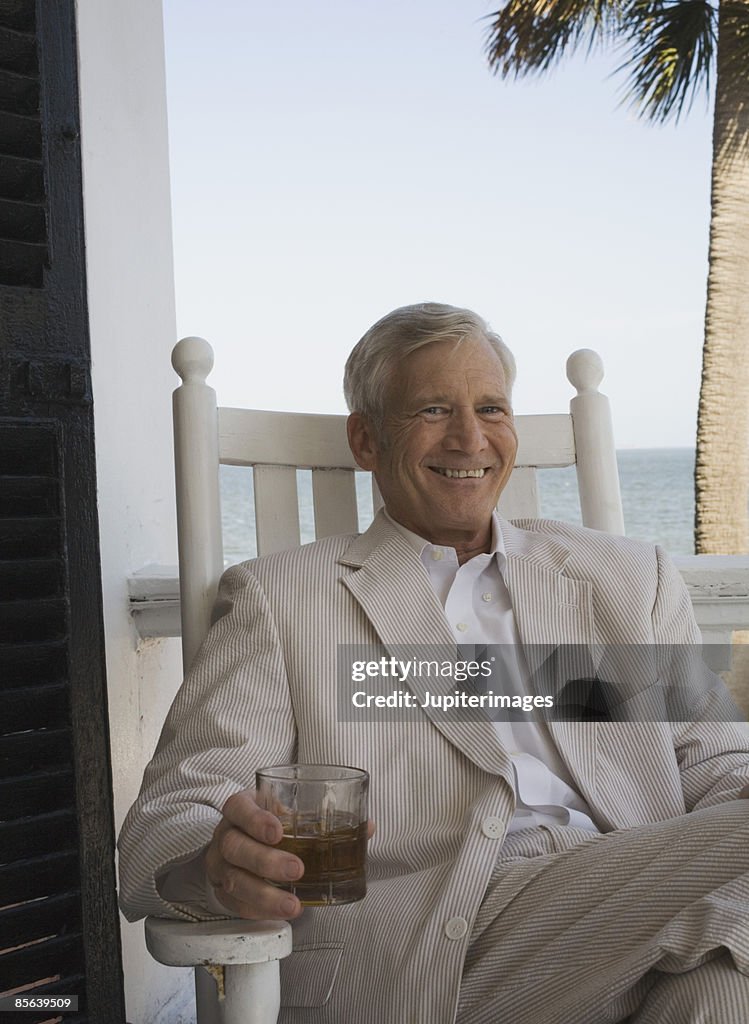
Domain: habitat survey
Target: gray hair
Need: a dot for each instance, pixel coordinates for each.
(377, 355)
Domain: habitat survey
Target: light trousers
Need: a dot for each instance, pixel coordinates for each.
(643, 925)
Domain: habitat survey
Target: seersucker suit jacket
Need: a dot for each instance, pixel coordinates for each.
(263, 691)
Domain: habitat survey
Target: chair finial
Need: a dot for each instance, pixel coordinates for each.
(192, 358)
(585, 370)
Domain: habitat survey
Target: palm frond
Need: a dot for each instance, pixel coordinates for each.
(527, 36)
(672, 56)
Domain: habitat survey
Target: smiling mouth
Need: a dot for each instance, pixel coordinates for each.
(458, 474)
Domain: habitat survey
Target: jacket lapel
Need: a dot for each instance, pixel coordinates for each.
(386, 566)
(393, 588)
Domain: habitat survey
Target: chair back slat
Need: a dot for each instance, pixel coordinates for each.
(305, 440)
(276, 509)
(519, 499)
(334, 500)
(545, 441)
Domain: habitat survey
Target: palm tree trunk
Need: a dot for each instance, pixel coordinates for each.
(722, 468)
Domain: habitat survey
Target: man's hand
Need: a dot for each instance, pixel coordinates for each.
(240, 856)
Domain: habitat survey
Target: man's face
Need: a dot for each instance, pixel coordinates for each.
(448, 442)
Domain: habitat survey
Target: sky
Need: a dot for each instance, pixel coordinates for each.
(335, 160)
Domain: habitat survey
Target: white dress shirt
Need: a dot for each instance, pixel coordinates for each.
(478, 608)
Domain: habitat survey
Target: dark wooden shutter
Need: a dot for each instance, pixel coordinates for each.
(58, 918)
(23, 230)
(39, 832)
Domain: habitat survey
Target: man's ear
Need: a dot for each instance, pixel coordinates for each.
(361, 439)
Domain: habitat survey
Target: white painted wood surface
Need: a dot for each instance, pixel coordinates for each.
(334, 501)
(238, 993)
(520, 496)
(196, 462)
(245, 987)
(183, 943)
(595, 454)
(252, 436)
(719, 588)
(276, 508)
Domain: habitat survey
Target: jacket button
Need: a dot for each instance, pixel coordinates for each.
(456, 928)
(493, 828)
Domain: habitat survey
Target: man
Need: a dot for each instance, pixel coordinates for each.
(568, 873)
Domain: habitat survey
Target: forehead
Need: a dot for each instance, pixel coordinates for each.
(449, 366)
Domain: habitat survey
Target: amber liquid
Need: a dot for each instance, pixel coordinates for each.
(334, 854)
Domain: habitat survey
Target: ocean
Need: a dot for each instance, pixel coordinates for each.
(657, 487)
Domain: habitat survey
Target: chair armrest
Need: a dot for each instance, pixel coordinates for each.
(237, 975)
(189, 943)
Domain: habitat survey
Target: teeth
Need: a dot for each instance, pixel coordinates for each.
(460, 473)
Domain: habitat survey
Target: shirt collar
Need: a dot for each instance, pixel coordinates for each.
(420, 545)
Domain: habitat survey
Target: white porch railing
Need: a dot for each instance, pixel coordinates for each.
(718, 586)
(154, 601)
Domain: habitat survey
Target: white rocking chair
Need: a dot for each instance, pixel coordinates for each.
(242, 985)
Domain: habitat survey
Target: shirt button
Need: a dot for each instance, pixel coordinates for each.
(486, 597)
(492, 828)
(437, 554)
(462, 626)
(456, 928)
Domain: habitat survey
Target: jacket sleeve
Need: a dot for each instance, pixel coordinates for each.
(711, 739)
(232, 715)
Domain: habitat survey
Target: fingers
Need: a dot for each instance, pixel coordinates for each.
(249, 820)
(242, 810)
(240, 863)
(238, 850)
(251, 898)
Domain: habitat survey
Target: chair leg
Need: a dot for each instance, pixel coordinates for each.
(252, 994)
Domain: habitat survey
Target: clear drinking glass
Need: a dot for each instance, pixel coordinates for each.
(323, 811)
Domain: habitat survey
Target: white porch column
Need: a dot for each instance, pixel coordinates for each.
(132, 323)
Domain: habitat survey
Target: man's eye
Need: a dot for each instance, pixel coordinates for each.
(433, 410)
(492, 410)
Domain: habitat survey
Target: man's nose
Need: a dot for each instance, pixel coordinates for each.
(465, 432)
